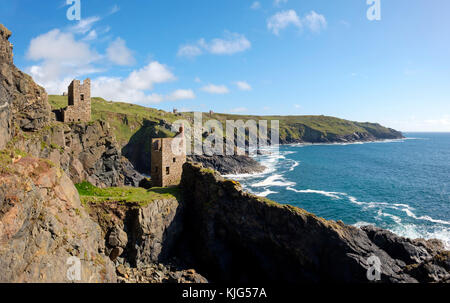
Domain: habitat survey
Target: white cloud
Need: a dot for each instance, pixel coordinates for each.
(118, 53)
(91, 36)
(215, 89)
(147, 76)
(57, 46)
(116, 89)
(315, 22)
(197, 80)
(61, 58)
(181, 94)
(281, 20)
(134, 88)
(242, 85)
(189, 51)
(85, 25)
(231, 43)
(114, 9)
(255, 5)
(297, 106)
(278, 2)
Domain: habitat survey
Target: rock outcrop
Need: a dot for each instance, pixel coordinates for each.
(230, 165)
(138, 235)
(28, 101)
(236, 236)
(85, 151)
(143, 240)
(158, 273)
(43, 225)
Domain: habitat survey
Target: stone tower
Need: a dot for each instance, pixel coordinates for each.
(168, 156)
(79, 107)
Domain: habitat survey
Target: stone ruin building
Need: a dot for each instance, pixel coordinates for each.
(79, 105)
(167, 158)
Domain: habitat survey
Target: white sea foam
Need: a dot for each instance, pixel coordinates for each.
(334, 195)
(426, 218)
(266, 193)
(396, 219)
(274, 180)
(413, 231)
(360, 224)
(294, 165)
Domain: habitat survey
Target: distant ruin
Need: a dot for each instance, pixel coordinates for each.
(168, 156)
(79, 105)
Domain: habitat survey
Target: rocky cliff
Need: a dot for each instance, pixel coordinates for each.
(43, 224)
(27, 101)
(230, 165)
(236, 236)
(85, 151)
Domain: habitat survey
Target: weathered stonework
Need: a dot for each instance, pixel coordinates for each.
(79, 107)
(168, 156)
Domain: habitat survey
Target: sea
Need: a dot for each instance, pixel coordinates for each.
(400, 185)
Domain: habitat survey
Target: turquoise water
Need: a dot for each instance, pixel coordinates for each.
(400, 185)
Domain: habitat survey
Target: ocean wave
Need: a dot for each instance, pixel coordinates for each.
(274, 180)
(265, 193)
(396, 219)
(360, 224)
(425, 218)
(412, 231)
(334, 195)
(294, 165)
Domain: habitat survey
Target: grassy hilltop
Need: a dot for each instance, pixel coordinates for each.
(134, 122)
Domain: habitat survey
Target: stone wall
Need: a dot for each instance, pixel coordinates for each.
(167, 166)
(79, 107)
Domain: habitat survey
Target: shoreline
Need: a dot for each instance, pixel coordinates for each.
(279, 157)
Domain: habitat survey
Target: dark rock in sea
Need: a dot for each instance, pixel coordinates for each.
(227, 165)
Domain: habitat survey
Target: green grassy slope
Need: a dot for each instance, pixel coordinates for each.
(133, 122)
(91, 194)
(135, 125)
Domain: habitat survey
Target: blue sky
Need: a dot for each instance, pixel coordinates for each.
(250, 57)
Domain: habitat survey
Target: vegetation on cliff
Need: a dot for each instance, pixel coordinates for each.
(91, 194)
(128, 119)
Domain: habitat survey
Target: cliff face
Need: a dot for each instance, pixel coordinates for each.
(27, 101)
(228, 165)
(236, 236)
(42, 225)
(85, 151)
